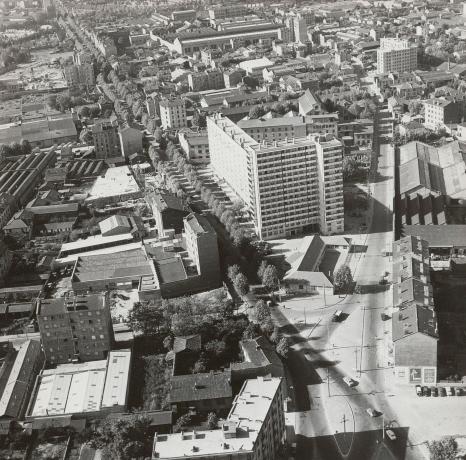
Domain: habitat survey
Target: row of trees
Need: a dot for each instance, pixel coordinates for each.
(15, 148)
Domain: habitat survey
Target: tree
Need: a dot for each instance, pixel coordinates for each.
(85, 112)
(241, 284)
(262, 311)
(283, 347)
(26, 147)
(343, 279)
(233, 271)
(16, 149)
(199, 119)
(85, 136)
(168, 342)
(146, 318)
(261, 269)
(270, 278)
(182, 422)
(212, 420)
(267, 327)
(5, 151)
(63, 102)
(445, 449)
(350, 168)
(252, 331)
(256, 112)
(123, 438)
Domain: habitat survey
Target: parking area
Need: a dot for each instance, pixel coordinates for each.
(430, 417)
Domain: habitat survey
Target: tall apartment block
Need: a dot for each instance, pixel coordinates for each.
(329, 161)
(76, 327)
(106, 140)
(253, 430)
(173, 114)
(396, 55)
(289, 186)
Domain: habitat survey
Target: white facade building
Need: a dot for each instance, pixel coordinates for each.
(288, 186)
(173, 114)
(396, 55)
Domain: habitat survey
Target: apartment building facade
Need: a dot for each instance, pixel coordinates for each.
(396, 55)
(173, 114)
(106, 140)
(329, 159)
(442, 113)
(76, 327)
(289, 186)
(209, 79)
(77, 75)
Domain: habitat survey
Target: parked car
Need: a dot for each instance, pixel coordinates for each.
(434, 391)
(419, 390)
(458, 391)
(390, 434)
(371, 412)
(450, 391)
(442, 391)
(349, 381)
(426, 391)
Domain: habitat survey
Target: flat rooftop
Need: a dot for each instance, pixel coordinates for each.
(83, 387)
(127, 264)
(117, 181)
(92, 242)
(248, 412)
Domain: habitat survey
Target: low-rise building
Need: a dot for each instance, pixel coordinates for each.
(82, 390)
(17, 376)
(195, 145)
(415, 340)
(204, 392)
(168, 211)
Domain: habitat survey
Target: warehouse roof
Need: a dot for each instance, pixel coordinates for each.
(439, 236)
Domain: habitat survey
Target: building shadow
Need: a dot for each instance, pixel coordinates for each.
(364, 445)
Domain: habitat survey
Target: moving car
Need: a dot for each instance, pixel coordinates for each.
(390, 434)
(337, 316)
(371, 412)
(349, 381)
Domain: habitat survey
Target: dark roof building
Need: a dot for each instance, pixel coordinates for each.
(17, 377)
(205, 392)
(168, 211)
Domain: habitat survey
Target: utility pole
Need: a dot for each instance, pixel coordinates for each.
(328, 381)
(356, 359)
(383, 427)
(344, 420)
(304, 313)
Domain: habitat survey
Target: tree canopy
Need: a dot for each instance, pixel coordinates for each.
(343, 279)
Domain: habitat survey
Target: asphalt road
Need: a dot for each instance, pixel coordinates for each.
(331, 418)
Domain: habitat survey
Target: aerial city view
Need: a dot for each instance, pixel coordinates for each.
(232, 230)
